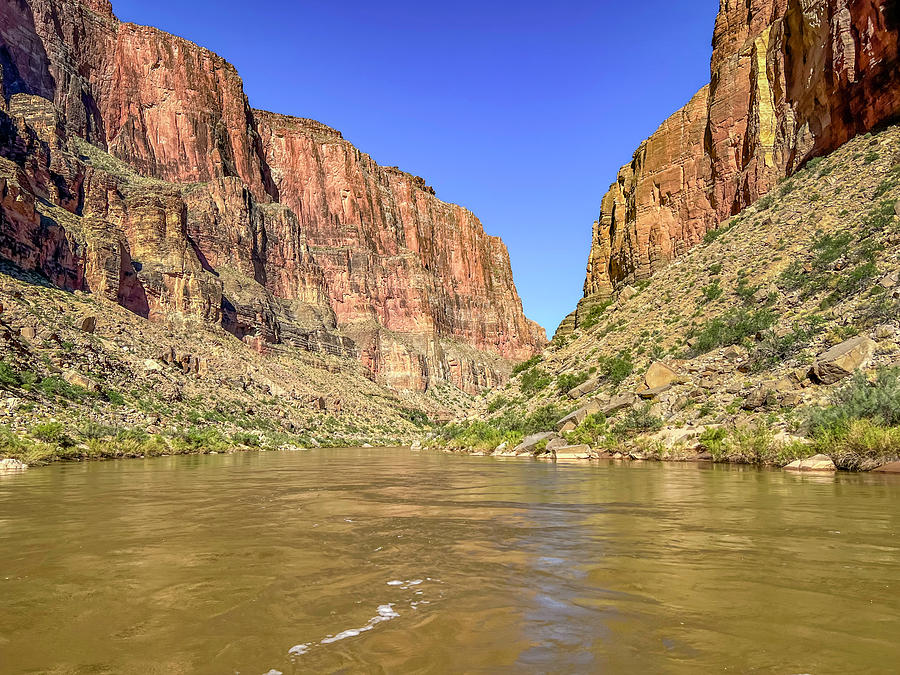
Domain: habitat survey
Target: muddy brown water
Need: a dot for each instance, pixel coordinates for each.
(399, 562)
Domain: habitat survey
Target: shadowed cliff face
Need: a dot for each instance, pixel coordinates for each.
(790, 80)
(133, 166)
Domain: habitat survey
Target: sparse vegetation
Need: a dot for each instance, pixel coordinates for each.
(526, 365)
(533, 381)
(732, 328)
(567, 381)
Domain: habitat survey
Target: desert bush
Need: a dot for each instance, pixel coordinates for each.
(636, 421)
(731, 328)
(595, 314)
(526, 365)
(712, 292)
(498, 403)
(53, 433)
(533, 381)
(568, 381)
(593, 430)
(773, 349)
(860, 399)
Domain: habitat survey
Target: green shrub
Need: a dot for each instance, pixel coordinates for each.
(57, 387)
(877, 401)
(417, 417)
(543, 419)
(498, 403)
(713, 291)
(712, 235)
(860, 445)
(9, 376)
(53, 433)
(114, 397)
(526, 365)
(533, 381)
(594, 315)
(885, 186)
(593, 430)
(745, 291)
(615, 369)
(730, 329)
(246, 439)
(568, 381)
(637, 421)
(774, 349)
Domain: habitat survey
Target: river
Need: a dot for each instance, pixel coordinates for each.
(371, 560)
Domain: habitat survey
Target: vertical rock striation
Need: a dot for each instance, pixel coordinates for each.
(790, 80)
(132, 165)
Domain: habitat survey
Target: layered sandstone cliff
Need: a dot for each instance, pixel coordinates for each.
(134, 166)
(790, 80)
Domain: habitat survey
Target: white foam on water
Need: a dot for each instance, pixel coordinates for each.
(405, 584)
(274, 672)
(385, 613)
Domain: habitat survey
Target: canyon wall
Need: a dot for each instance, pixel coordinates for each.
(790, 80)
(132, 165)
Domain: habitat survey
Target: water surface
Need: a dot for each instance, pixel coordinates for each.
(393, 561)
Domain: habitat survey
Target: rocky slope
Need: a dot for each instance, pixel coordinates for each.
(134, 168)
(790, 80)
(742, 349)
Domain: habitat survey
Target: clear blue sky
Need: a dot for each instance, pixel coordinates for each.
(522, 111)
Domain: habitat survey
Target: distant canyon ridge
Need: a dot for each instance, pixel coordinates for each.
(790, 80)
(132, 166)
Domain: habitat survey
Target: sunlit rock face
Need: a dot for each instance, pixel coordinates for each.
(790, 80)
(133, 166)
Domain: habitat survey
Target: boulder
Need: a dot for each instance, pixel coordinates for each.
(529, 445)
(416, 445)
(885, 332)
(892, 467)
(588, 387)
(556, 443)
(29, 333)
(734, 353)
(890, 281)
(77, 379)
(12, 465)
(785, 385)
(573, 452)
(814, 463)
(88, 324)
(791, 399)
(659, 375)
(569, 422)
(627, 294)
(650, 394)
(761, 396)
(619, 403)
(843, 360)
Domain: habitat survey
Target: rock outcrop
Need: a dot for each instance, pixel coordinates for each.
(790, 80)
(132, 166)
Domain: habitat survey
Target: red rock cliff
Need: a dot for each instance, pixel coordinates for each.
(790, 80)
(133, 165)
